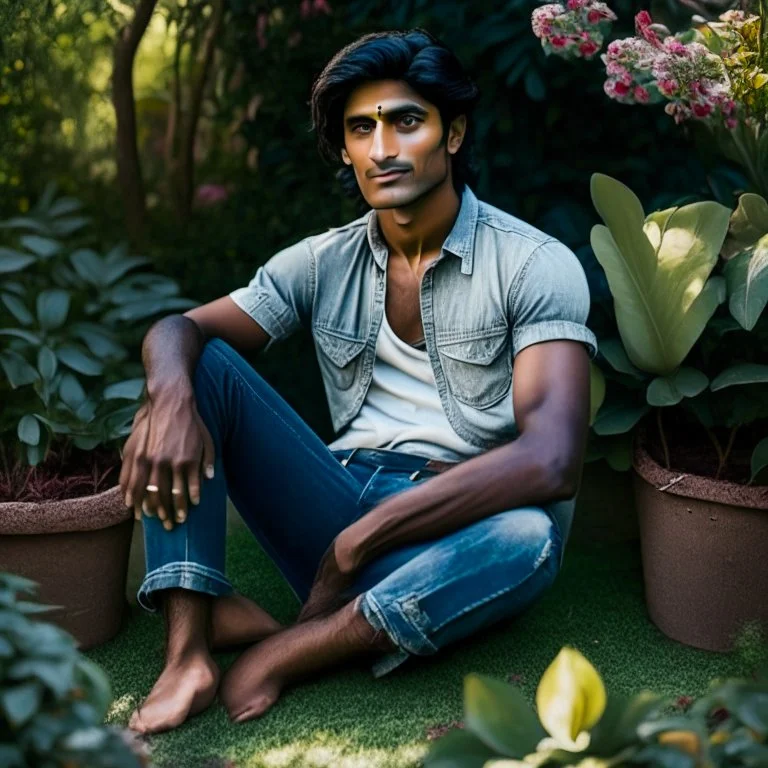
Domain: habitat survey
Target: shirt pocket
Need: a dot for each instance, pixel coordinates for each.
(339, 356)
(478, 370)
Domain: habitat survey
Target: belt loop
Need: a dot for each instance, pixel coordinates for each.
(344, 462)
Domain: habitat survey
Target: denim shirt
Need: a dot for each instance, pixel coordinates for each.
(498, 286)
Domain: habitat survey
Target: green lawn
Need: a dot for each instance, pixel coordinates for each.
(348, 719)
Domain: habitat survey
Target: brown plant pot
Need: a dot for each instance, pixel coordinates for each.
(605, 506)
(77, 551)
(704, 544)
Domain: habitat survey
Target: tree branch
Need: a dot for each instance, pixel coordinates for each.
(128, 164)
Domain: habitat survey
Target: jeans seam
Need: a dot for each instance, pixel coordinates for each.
(368, 485)
(542, 557)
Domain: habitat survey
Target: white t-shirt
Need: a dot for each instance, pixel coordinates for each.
(402, 410)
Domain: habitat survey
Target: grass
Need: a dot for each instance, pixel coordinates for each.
(348, 719)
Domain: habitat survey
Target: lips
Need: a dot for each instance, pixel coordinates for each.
(390, 176)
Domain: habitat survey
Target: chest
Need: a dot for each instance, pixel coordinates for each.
(402, 305)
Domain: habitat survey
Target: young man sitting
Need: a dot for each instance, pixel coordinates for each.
(445, 500)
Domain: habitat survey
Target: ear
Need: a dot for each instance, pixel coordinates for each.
(456, 134)
(345, 157)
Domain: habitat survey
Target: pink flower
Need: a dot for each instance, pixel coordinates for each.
(642, 96)
(731, 123)
(621, 88)
(322, 6)
(588, 49)
(668, 87)
(210, 194)
(559, 42)
(701, 109)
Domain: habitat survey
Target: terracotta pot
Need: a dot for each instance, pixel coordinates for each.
(605, 506)
(77, 551)
(704, 545)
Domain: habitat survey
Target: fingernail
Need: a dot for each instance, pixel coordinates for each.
(182, 517)
(128, 500)
(195, 499)
(209, 471)
(167, 524)
(161, 513)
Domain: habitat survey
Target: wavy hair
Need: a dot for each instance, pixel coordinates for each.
(417, 58)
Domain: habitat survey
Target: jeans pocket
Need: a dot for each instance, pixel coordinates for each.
(383, 483)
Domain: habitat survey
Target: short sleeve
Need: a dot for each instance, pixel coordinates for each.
(550, 299)
(279, 297)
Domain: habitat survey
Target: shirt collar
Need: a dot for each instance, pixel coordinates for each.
(460, 241)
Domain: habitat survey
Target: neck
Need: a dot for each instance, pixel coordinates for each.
(417, 232)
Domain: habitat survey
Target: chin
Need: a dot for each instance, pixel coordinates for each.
(382, 199)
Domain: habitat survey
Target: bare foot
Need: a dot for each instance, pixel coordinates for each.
(254, 682)
(183, 689)
(236, 620)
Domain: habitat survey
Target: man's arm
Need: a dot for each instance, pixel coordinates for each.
(551, 404)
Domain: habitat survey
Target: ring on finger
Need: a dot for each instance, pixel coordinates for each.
(152, 488)
(176, 491)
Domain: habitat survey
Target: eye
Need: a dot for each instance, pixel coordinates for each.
(410, 117)
(360, 125)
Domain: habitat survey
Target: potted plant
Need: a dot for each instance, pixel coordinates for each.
(52, 699)
(686, 367)
(694, 338)
(578, 724)
(71, 322)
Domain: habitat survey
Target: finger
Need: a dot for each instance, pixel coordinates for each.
(209, 453)
(152, 491)
(193, 483)
(138, 469)
(179, 494)
(164, 495)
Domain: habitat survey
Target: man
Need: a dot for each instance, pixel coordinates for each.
(444, 503)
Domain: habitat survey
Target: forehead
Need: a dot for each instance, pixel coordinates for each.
(368, 97)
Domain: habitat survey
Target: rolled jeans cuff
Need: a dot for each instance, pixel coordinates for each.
(403, 627)
(182, 575)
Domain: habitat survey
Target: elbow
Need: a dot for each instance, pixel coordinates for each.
(562, 479)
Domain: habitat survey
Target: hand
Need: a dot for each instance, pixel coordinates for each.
(168, 447)
(328, 592)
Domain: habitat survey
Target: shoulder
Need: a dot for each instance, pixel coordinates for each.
(339, 240)
(509, 229)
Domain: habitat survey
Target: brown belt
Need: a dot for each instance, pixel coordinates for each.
(435, 465)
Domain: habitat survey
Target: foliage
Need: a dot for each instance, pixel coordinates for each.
(52, 699)
(71, 320)
(579, 725)
(690, 323)
(714, 73)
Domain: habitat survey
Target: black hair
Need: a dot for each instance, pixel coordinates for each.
(417, 58)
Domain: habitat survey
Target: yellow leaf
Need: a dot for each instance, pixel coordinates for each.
(686, 741)
(570, 699)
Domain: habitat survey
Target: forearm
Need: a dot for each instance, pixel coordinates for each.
(511, 476)
(170, 353)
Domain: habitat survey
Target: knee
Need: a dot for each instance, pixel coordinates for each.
(528, 533)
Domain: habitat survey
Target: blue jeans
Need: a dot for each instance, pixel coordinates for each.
(296, 496)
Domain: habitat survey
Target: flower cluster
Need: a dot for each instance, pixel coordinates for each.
(656, 65)
(576, 30)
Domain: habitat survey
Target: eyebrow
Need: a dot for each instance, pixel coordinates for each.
(396, 111)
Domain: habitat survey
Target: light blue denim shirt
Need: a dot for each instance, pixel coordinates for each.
(498, 286)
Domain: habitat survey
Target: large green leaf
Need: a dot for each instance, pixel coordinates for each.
(71, 391)
(657, 270)
(130, 389)
(664, 391)
(617, 418)
(79, 361)
(759, 459)
(28, 430)
(458, 749)
(52, 308)
(500, 716)
(13, 261)
(747, 276)
(21, 702)
(749, 222)
(28, 336)
(17, 308)
(17, 370)
(139, 310)
(745, 373)
(41, 246)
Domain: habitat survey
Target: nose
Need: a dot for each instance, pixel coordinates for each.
(384, 143)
